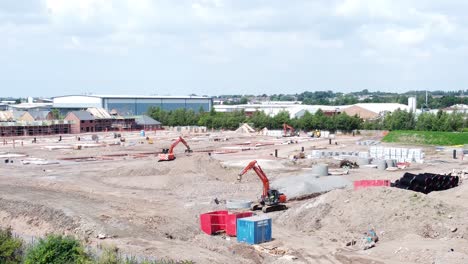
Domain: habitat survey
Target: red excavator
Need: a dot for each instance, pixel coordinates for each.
(168, 154)
(288, 131)
(271, 200)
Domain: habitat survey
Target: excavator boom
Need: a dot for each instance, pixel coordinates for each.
(271, 200)
(258, 170)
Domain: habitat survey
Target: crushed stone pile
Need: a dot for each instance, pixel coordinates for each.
(307, 184)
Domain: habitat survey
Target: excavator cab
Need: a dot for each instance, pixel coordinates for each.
(272, 198)
(273, 202)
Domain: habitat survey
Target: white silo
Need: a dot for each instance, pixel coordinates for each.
(412, 104)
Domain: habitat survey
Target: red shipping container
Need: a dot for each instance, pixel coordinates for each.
(213, 222)
(231, 222)
(370, 183)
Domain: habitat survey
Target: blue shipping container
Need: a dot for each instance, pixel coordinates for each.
(254, 230)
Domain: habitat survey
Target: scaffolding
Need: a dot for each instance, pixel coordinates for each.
(35, 128)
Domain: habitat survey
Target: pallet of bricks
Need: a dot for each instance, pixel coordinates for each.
(398, 154)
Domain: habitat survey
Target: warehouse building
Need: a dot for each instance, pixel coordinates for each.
(129, 105)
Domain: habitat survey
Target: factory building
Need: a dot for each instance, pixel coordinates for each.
(128, 105)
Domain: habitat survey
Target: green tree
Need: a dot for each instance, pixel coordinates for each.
(281, 118)
(56, 249)
(56, 114)
(259, 119)
(10, 248)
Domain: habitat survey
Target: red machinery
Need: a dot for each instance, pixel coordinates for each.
(271, 200)
(168, 154)
(288, 131)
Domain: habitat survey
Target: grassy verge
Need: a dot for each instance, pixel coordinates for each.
(427, 138)
(57, 249)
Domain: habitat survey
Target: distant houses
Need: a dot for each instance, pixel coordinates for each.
(43, 122)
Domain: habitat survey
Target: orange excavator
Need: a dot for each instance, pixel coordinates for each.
(271, 200)
(288, 131)
(168, 154)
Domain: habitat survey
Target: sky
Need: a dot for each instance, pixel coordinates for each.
(213, 47)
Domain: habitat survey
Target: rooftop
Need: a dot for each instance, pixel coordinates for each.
(137, 96)
(83, 115)
(145, 120)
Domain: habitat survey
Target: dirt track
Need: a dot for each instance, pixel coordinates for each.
(150, 208)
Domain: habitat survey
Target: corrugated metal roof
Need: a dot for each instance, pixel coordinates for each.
(83, 115)
(139, 96)
(145, 120)
(31, 105)
(382, 107)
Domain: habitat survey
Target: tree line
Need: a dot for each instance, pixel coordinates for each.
(398, 120)
(435, 99)
(403, 120)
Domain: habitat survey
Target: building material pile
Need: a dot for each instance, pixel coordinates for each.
(426, 182)
(329, 153)
(245, 129)
(368, 142)
(399, 154)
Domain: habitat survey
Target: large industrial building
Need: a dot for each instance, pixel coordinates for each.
(130, 105)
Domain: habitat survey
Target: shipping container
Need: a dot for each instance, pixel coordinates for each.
(254, 230)
(231, 222)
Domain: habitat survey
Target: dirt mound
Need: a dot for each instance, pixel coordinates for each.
(392, 212)
(37, 219)
(196, 163)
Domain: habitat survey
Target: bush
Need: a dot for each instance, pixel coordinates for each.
(56, 249)
(111, 255)
(11, 248)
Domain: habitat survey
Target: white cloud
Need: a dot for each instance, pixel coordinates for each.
(238, 34)
(369, 8)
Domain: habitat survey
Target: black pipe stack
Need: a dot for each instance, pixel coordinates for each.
(426, 182)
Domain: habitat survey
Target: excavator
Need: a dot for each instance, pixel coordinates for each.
(315, 133)
(168, 154)
(271, 200)
(288, 131)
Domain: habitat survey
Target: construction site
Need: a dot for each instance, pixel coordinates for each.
(181, 193)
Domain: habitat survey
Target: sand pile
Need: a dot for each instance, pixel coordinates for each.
(392, 212)
(197, 163)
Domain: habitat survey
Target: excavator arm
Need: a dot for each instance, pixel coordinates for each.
(179, 140)
(271, 200)
(258, 170)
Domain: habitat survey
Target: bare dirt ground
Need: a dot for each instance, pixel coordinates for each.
(152, 209)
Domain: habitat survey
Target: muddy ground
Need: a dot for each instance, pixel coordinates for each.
(150, 208)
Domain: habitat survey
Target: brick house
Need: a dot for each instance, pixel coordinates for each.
(82, 122)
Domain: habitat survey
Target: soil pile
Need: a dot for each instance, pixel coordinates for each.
(345, 214)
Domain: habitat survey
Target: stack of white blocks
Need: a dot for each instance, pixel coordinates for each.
(398, 154)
